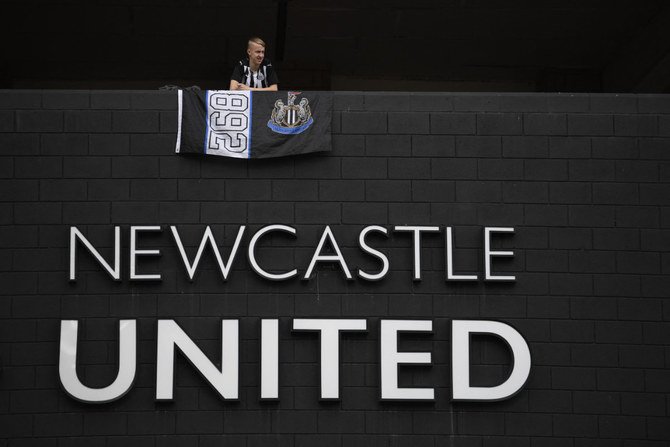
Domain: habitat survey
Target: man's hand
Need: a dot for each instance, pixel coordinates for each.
(234, 85)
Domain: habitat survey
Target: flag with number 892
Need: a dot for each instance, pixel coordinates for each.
(250, 124)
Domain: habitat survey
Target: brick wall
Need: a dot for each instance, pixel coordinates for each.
(583, 179)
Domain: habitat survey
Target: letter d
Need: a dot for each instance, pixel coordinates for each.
(460, 358)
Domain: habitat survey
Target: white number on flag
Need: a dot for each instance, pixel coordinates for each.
(228, 122)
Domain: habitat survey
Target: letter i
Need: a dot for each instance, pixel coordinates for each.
(269, 359)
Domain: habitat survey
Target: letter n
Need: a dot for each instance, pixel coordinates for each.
(224, 380)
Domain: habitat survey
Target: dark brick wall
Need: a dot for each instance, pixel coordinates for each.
(582, 178)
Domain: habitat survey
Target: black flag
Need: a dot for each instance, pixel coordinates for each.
(248, 124)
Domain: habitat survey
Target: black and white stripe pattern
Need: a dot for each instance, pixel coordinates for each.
(263, 78)
(252, 79)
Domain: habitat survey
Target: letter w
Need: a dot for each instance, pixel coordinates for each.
(224, 267)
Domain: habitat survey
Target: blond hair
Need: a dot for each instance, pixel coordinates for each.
(256, 40)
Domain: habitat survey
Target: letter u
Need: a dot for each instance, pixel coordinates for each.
(67, 364)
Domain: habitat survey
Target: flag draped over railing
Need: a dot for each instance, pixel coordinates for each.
(249, 124)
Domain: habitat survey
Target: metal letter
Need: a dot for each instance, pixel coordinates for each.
(377, 254)
(115, 272)
(318, 257)
(416, 244)
(252, 253)
(225, 381)
(450, 261)
(134, 253)
(488, 254)
(207, 237)
(391, 358)
(329, 333)
(67, 364)
(460, 359)
(269, 359)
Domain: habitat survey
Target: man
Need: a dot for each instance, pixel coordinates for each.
(255, 72)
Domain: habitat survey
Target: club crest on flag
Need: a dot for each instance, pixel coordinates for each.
(235, 123)
(291, 118)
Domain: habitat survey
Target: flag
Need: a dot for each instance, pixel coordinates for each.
(252, 124)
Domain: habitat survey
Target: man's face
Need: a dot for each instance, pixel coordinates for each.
(256, 53)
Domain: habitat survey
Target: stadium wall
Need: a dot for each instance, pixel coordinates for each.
(582, 179)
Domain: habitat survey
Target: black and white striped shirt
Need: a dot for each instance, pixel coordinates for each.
(264, 77)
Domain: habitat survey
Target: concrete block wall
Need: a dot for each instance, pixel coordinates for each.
(583, 179)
